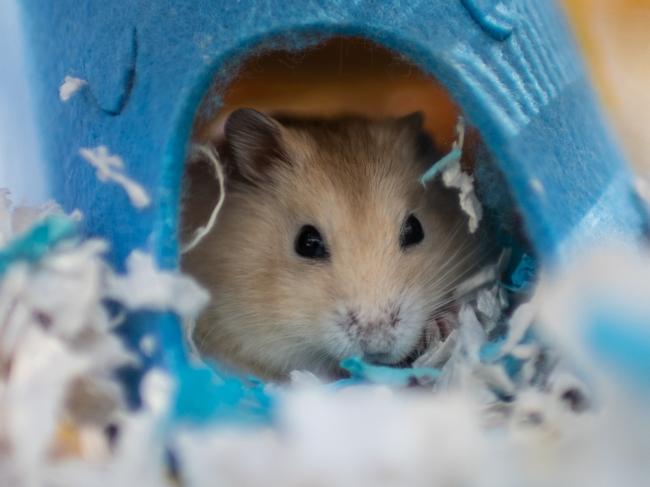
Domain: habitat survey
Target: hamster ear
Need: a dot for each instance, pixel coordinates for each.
(412, 126)
(254, 143)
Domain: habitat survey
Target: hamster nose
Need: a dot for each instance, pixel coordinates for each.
(375, 331)
(386, 320)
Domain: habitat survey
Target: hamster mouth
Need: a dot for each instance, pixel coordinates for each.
(437, 330)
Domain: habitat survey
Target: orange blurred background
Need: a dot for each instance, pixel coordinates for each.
(338, 76)
(615, 38)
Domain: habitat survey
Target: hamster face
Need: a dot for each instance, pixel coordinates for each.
(328, 246)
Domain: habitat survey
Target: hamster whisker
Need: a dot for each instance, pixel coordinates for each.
(452, 267)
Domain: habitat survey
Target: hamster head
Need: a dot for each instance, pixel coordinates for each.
(327, 245)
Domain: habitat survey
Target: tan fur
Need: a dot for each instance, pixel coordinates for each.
(356, 181)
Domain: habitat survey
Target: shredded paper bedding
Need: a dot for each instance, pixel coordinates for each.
(512, 396)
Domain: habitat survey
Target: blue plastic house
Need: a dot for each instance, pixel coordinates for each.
(510, 65)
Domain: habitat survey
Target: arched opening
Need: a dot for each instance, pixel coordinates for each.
(343, 75)
(337, 77)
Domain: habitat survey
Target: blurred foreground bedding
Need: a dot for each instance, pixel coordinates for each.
(543, 386)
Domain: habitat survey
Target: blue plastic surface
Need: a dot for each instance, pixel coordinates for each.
(511, 66)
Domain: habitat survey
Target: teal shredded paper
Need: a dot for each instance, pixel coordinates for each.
(439, 166)
(523, 276)
(363, 372)
(37, 242)
(206, 394)
(453, 156)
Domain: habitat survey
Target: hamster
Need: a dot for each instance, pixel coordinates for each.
(327, 246)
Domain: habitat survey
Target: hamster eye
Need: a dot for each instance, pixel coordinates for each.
(309, 243)
(412, 233)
